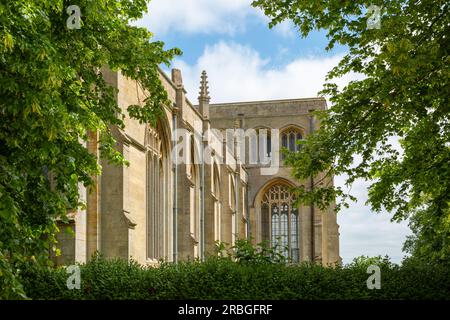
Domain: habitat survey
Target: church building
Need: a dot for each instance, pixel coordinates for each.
(204, 173)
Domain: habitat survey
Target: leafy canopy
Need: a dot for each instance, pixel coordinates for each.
(403, 95)
(52, 93)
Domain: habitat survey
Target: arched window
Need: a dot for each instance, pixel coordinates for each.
(194, 197)
(232, 190)
(217, 204)
(279, 221)
(289, 139)
(157, 194)
(233, 208)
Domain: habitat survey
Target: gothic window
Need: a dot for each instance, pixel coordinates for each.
(194, 197)
(289, 139)
(157, 195)
(243, 205)
(232, 193)
(279, 221)
(233, 208)
(244, 201)
(217, 204)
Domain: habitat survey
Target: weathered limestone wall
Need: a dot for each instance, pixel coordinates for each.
(116, 219)
(319, 236)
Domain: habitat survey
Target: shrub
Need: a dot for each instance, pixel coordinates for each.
(225, 278)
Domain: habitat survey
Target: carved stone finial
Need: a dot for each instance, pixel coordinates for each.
(204, 89)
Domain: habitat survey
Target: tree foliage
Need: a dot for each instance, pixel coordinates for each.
(52, 93)
(243, 251)
(403, 94)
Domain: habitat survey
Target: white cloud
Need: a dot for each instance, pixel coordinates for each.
(286, 29)
(239, 73)
(207, 17)
(197, 16)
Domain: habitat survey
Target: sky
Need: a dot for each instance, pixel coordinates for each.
(247, 61)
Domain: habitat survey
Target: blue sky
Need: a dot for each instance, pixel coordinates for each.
(246, 60)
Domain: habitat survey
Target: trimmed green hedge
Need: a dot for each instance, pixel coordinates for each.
(221, 278)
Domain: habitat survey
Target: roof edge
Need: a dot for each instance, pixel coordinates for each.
(270, 101)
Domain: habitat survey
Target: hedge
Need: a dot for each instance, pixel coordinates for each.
(222, 278)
